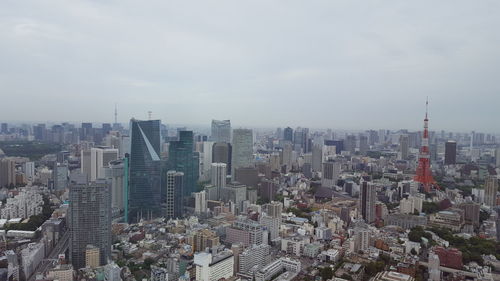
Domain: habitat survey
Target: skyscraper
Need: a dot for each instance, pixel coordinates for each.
(367, 201)
(404, 146)
(242, 154)
(218, 177)
(350, 144)
(363, 144)
(182, 158)
(450, 153)
(89, 220)
(288, 134)
(60, 176)
(222, 153)
(174, 204)
(99, 159)
(221, 131)
(330, 173)
(145, 170)
(490, 191)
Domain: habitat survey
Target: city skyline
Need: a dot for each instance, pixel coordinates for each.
(367, 65)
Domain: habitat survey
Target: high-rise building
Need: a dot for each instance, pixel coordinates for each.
(497, 157)
(183, 158)
(288, 134)
(404, 146)
(450, 153)
(7, 172)
(367, 201)
(89, 220)
(200, 202)
(471, 213)
(145, 170)
(221, 131)
(4, 128)
(218, 177)
(330, 173)
(217, 267)
(100, 157)
(222, 153)
(174, 193)
(242, 154)
(490, 191)
(87, 132)
(363, 144)
(317, 156)
(60, 176)
(350, 144)
(116, 173)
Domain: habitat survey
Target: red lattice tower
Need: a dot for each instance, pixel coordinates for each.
(424, 173)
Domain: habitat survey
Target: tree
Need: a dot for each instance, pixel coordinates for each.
(346, 276)
(413, 251)
(326, 273)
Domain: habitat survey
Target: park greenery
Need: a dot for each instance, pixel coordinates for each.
(472, 249)
(33, 150)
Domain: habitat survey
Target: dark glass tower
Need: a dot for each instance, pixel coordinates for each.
(182, 158)
(145, 170)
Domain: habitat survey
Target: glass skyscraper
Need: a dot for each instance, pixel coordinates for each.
(182, 158)
(145, 198)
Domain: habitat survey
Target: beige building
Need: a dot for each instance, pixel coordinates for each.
(92, 256)
(63, 272)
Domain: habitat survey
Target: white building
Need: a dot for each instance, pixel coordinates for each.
(94, 161)
(31, 257)
(277, 266)
(27, 203)
(200, 202)
(214, 268)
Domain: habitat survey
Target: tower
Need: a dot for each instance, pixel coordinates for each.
(424, 173)
(367, 201)
(450, 153)
(174, 193)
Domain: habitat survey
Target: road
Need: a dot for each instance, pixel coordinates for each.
(451, 270)
(60, 247)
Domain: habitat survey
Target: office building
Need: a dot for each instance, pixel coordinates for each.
(218, 177)
(288, 134)
(450, 153)
(183, 158)
(100, 157)
(92, 256)
(367, 201)
(116, 173)
(276, 267)
(245, 231)
(350, 144)
(253, 258)
(363, 144)
(404, 146)
(89, 220)
(330, 174)
(242, 154)
(200, 202)
(317, 157)
(7, 172)
(221, 131)
(490, 191)
(222, 153)
(174, 203)
(212, 268)
(471, 213)
(204, 239)
(145, 170)
(60, 176)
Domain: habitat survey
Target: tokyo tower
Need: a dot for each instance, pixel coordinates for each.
(424, 173)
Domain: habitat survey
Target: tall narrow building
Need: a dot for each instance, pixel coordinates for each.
(218, 177)
(490, 191)
(221, 131)
(450, 153)
(222, 153)
(145, 196)
(89, 220)
(183, 158)
(242, 154)
(404, 146)
(174, 206)
(367, 199)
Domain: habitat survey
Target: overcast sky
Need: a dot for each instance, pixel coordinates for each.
(336, 64)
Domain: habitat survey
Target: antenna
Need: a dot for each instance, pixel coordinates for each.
(426, 106)
(149, 114)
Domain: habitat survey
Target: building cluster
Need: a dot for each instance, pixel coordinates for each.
(151, 202)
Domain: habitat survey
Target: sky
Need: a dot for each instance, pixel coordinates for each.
(320, 64)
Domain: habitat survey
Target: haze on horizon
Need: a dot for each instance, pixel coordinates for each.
(321, 64)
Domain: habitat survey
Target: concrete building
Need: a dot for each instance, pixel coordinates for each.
(98, 159)
(330, 173)
(278, 266)
(200, 202)
(405, 221)
(89, 220)
(205, 239)
(254, 258)
(490, 191)
(174, 192)
(367, 201)
(214, 268)
(392, 276)
(116, 173)
(221, 131)
(242, 154)
(60, 176)
(222, 153)
(92, 256)
(63, 272)
(7, 172)
(218, 177)
(404, 147)
(31, 257)
(450, 153)
(246, 232)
